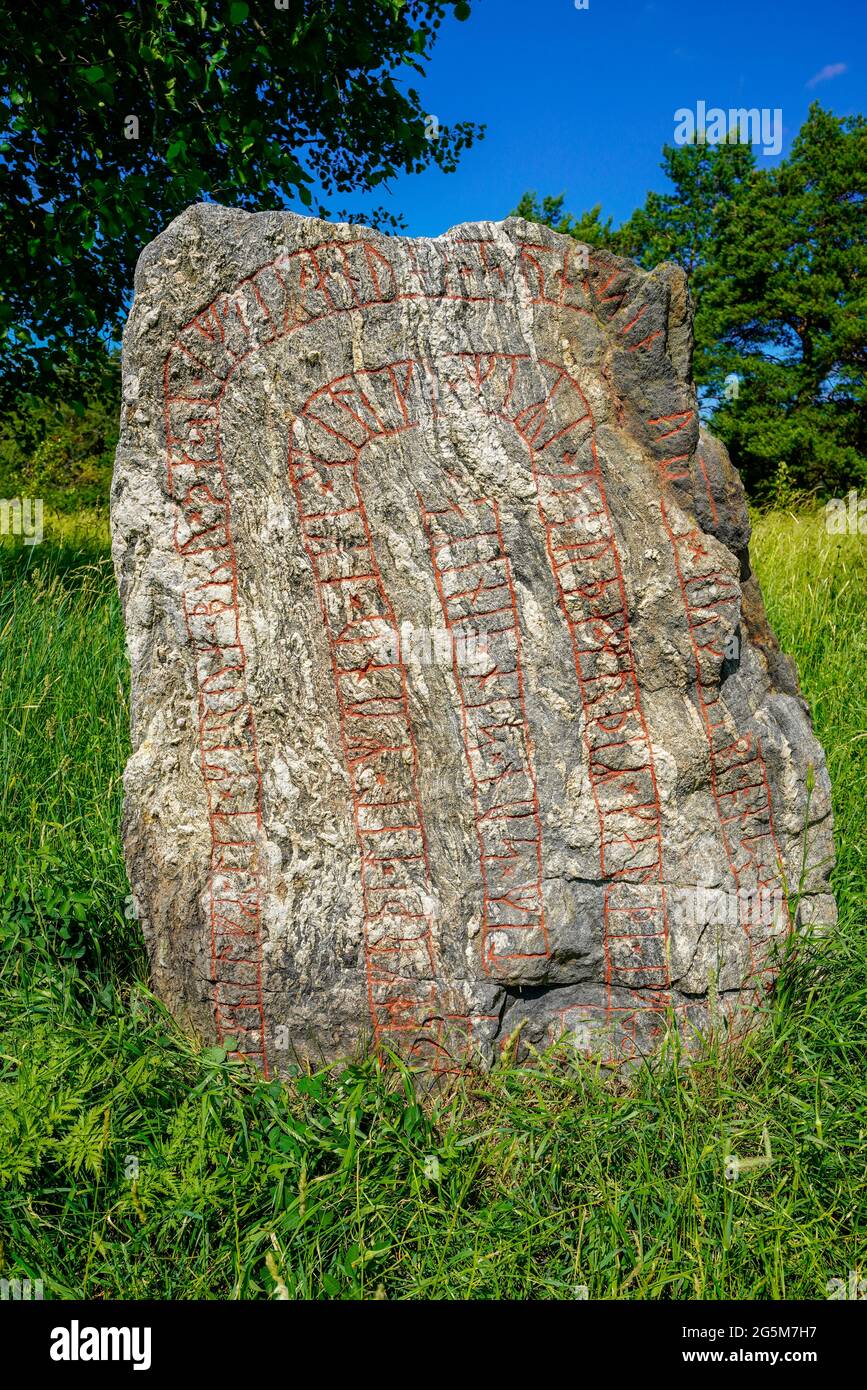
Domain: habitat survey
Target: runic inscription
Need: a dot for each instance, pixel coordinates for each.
(334, 443)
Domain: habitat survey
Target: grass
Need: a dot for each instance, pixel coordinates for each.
(135, 1164)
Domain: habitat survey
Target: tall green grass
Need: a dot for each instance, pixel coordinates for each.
(135, 1164)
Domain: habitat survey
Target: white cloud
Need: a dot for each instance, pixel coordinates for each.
(827, 72)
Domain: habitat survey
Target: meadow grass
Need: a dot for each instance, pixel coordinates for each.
(136, 1164)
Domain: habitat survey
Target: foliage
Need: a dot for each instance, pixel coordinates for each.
(588, 228)
(136, 1164)
(777, 264)
(252, 104)
(59, 444)
(787, 309)
(681, 226)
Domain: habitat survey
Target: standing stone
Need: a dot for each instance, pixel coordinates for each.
(454, 702)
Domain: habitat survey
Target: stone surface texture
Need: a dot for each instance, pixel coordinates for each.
(455, 708)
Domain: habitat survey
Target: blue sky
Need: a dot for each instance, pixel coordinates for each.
(582, 101)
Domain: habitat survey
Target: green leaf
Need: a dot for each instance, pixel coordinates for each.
(301, 87)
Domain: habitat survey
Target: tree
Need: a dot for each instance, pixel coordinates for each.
(115, 116)
(787, 306)
(588, 228)
(681, 225)
(776, 261)
(678, 226)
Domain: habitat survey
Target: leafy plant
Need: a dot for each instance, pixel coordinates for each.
(777, 265)
(135, 1163)
(114, 118)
